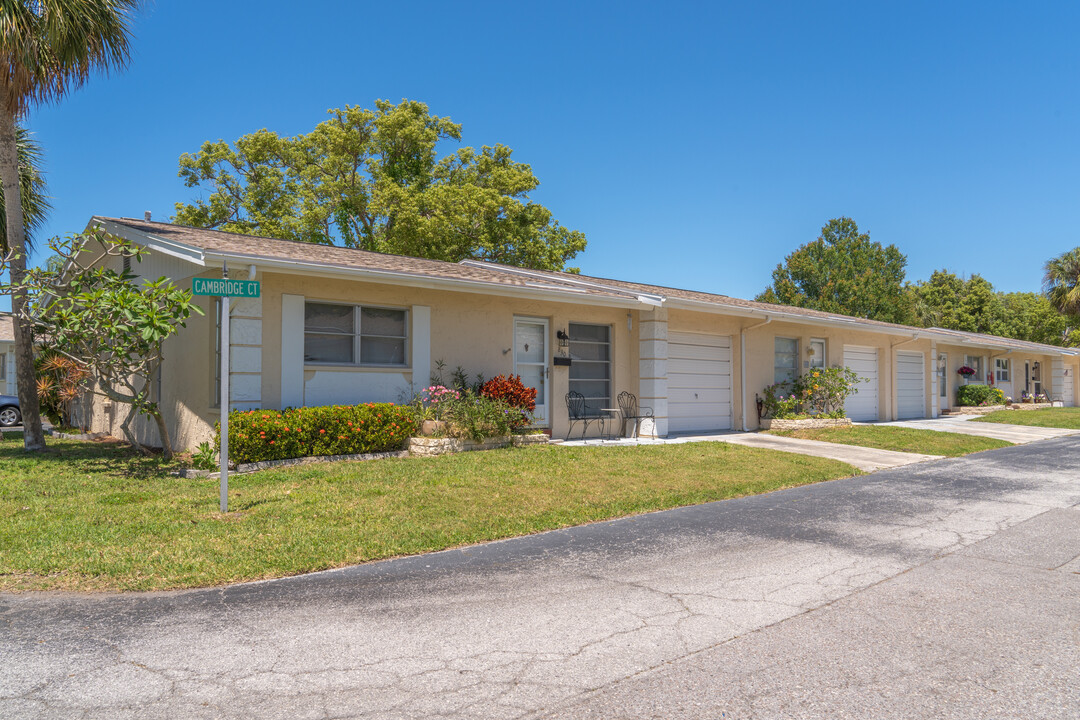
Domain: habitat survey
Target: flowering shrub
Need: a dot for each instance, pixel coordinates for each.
(822, 391)
(979, 396)
(779, 405)
(435, 402)
(258, 435)
(511, 390)
(819, 393)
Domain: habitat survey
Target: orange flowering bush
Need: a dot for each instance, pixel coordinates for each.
(258, 435)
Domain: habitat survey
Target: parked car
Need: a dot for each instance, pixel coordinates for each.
(9, 411)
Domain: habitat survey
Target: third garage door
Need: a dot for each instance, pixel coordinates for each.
(910, 385)
(863, 405)
(699, 382)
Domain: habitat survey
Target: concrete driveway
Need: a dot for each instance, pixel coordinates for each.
(944, 589)
(965, 425)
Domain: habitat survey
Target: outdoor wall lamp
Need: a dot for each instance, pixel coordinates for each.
(1036, 365)
(564, 339)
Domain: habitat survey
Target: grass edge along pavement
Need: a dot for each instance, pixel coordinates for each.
(1067, 418)
(96, 517)
(899, 439)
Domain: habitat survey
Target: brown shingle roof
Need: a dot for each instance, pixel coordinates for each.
(234, 244)
(217, 241)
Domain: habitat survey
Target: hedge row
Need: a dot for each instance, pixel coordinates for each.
(979, 395)
(258, 435)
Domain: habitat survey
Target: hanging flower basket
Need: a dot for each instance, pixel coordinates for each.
(966, 371)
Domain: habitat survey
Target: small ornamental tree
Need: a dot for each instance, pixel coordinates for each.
(110, 326)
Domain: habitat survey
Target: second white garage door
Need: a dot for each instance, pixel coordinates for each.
(910, 385)
(863, 361)
(699, 382)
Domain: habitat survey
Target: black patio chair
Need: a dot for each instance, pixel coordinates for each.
(629, 410)
(579, 412)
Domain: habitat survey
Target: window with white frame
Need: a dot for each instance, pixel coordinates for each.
(355, 335)
(817, 353)
(1002, 370)
(590, 371)
(3, 367)
(786, 360)
(975, 362)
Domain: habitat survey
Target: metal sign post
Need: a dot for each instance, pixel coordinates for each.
(225, 288)
(225, 397)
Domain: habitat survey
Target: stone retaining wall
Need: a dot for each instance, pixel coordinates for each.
(430, 447)
(804, 423)
(983, 410)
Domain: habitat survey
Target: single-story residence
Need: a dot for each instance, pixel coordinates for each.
(7, 354)
(336, 325)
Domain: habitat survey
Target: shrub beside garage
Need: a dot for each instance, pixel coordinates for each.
(258, 435)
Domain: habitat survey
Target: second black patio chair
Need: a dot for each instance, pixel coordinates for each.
(628, 408)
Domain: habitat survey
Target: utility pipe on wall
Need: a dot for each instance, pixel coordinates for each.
(742, 365)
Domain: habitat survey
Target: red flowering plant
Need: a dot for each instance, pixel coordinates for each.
(510, 389)
(259, 435)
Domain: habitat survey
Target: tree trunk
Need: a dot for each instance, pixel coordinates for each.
(33, 436)
(163, 432)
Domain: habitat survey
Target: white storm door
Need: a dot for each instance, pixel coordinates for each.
(531, 362)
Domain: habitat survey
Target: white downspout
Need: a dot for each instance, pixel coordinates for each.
(742, 366)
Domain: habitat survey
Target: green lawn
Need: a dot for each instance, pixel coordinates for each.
(1068, 418)
(88, 516)
(883, 437)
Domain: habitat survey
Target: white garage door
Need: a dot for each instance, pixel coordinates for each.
(910, 385)
(863, 404)
(699, 382)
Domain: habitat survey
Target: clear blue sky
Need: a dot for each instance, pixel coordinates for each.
(695, 144)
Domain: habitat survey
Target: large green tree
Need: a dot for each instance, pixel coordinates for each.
(47, 49)
(844, 272)
(949, 301)
(373, 179)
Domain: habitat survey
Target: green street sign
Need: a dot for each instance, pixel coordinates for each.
(225, 287)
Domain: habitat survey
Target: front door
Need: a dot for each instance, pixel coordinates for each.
(531, 361)
(943, 380)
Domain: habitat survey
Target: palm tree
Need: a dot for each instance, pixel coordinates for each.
(35, 201)
(1062, 282)
(47, 49)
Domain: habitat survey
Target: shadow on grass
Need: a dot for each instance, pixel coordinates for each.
(111, 458)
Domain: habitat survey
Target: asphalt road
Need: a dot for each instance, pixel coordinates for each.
(944, 589)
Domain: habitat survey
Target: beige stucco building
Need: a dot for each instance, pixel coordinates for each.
(339, 326)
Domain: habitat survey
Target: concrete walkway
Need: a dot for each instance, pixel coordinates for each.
(864, 458)
(938, 590)
(1016, 434)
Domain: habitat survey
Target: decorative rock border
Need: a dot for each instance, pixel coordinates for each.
(432, 447)
(984, 409)
(1036, 406)
(419, 446)
(311, 459)
(974, 410)
(805, 423)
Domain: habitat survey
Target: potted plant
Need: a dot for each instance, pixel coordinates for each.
(966, 372)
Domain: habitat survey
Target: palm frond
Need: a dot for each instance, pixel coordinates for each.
(50, 47)
(33, 191)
